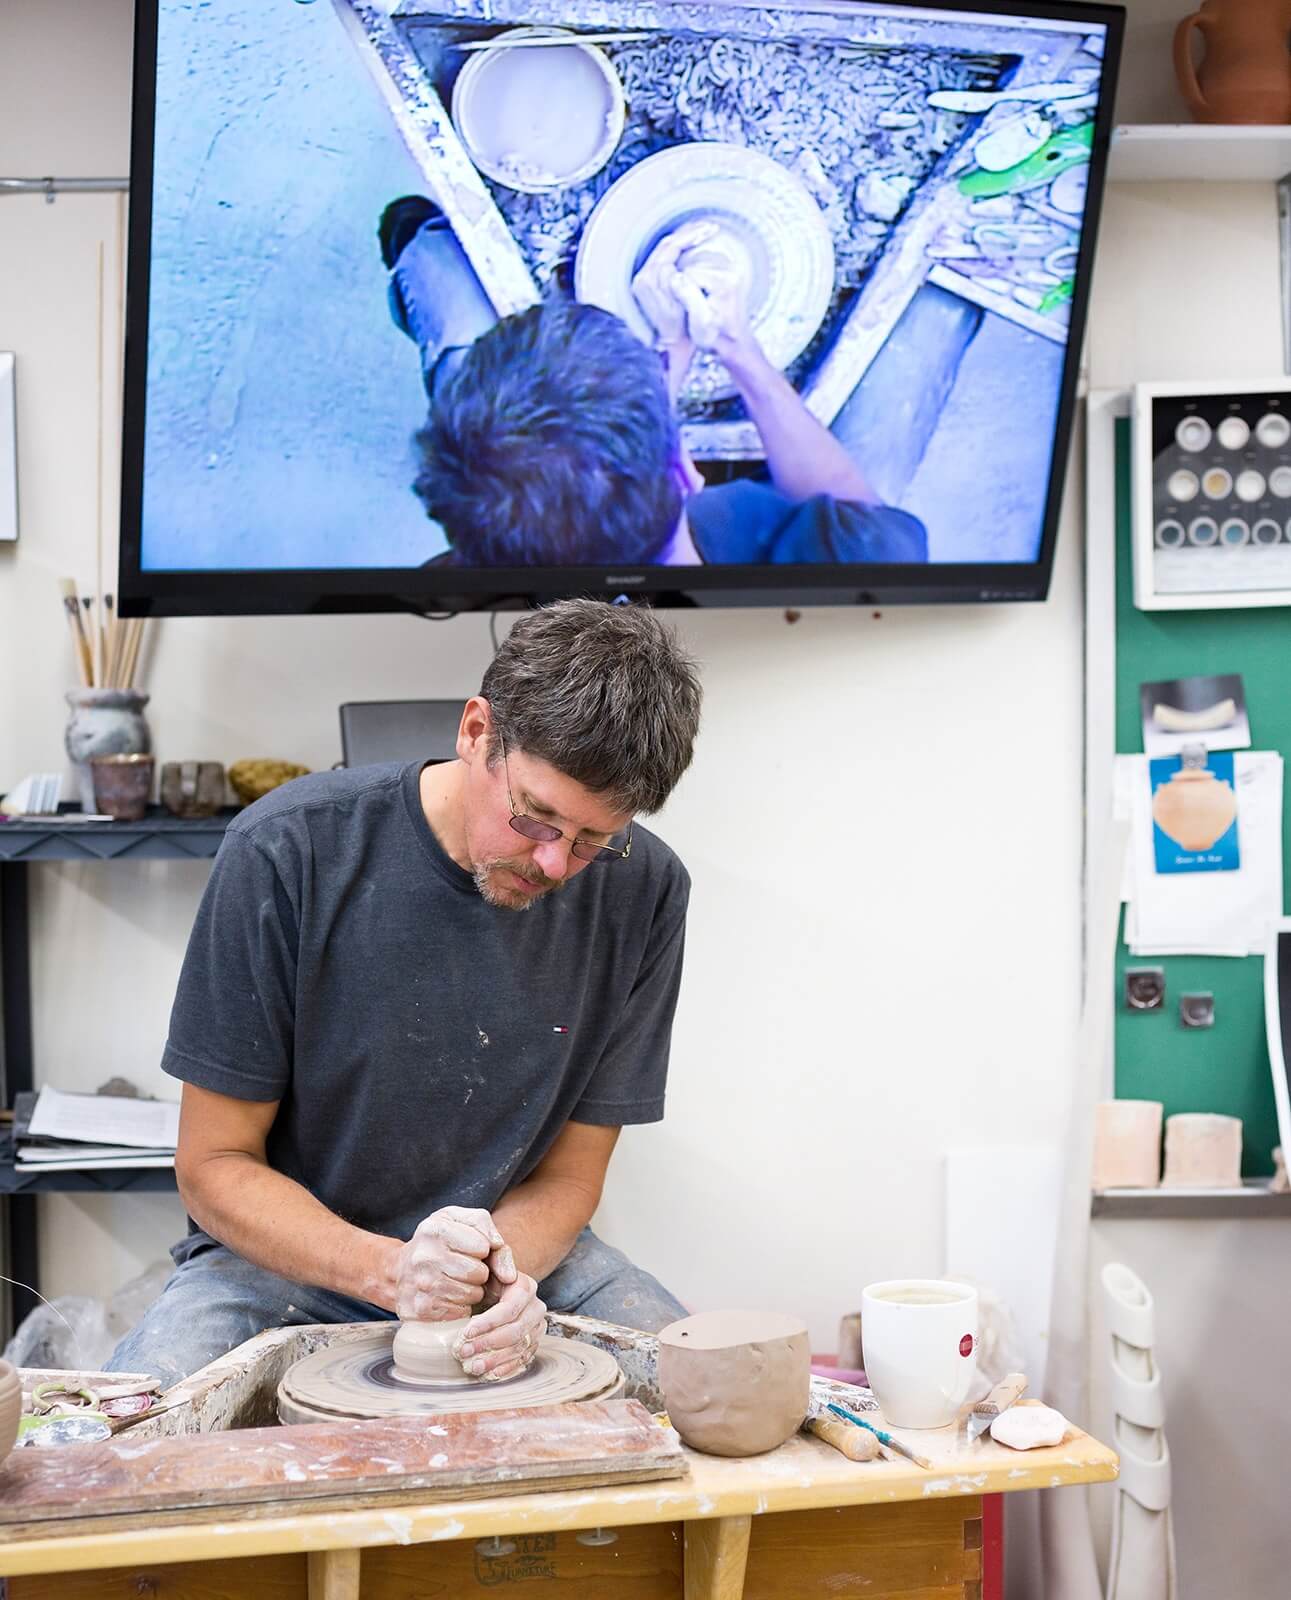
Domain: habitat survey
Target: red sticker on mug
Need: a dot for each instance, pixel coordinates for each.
(966, 1345)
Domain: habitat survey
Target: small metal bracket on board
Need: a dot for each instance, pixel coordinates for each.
(1144, 988)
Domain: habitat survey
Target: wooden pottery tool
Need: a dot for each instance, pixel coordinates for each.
(857, 1444)
(885, 1438)
(1011, 1387)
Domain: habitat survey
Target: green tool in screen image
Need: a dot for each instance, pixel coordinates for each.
(1066, 148)
(1059, 295)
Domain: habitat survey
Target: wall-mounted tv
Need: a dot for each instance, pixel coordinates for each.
(458, 304)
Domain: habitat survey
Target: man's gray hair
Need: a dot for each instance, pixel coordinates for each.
(604, 693)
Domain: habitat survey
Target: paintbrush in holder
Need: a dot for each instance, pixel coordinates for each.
(106, 710)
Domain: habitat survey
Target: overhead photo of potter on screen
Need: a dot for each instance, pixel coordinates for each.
(490, 287)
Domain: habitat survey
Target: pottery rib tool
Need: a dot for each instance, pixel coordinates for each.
(1011, 1387)
(1173, 720)
(884, 1438)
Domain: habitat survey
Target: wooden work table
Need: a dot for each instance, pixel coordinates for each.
(799, 1522)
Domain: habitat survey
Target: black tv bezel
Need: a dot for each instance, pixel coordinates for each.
(288, 591)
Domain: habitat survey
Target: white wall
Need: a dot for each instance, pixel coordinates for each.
(883, 825)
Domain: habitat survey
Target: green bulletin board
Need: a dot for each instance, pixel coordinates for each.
(1224, 1068)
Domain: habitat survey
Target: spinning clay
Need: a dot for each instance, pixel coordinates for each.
(423, 1351)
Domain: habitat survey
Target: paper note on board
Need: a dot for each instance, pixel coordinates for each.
(1205, 913)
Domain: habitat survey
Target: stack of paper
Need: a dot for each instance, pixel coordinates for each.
(1205, 913)
(59, 1132)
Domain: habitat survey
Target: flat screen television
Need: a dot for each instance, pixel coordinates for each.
(440, 305)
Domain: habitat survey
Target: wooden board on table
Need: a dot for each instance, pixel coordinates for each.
(395, 1458)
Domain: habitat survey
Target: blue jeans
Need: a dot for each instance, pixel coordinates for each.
(215, 1301)
(436, 299)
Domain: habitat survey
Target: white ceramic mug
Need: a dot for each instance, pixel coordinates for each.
(920, 1348)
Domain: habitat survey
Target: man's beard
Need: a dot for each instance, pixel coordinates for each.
(513, 899)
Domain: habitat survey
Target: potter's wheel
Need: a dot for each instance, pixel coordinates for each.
(357, 1380)
(767, 208)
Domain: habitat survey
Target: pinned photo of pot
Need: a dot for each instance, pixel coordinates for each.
(1209, 710)
(1194, 812)
(539, 117)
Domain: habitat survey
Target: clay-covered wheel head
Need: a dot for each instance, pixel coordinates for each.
(735, 1383)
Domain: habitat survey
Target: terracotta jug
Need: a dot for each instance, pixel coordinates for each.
(1245, 75)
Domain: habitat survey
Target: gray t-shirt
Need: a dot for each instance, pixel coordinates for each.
(426, 1048)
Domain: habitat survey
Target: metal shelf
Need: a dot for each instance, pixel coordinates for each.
(158, 837)
(1251, 1200)
(1194, 152)
(99, 1180)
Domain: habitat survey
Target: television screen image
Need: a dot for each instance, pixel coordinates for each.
(437, 301)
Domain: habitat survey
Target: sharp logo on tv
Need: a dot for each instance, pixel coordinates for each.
(474, 302)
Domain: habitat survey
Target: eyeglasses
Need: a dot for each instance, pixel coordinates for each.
(544, 833)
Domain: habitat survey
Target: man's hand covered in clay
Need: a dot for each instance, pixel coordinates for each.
(655, 285)
(694, 291)
(503, 1340)
(448, 1265)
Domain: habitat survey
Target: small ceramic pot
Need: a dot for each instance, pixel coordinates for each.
(10, 1406)
(192, 788)
(104, 722)
(122, 786)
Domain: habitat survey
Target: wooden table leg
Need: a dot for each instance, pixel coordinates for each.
(717, 1550)
(334, 1575)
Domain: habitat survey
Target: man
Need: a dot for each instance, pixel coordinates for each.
(401, 1097)
(551, 437)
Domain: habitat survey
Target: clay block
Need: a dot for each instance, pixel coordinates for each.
(1203, 1151)
(1127, 1144)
